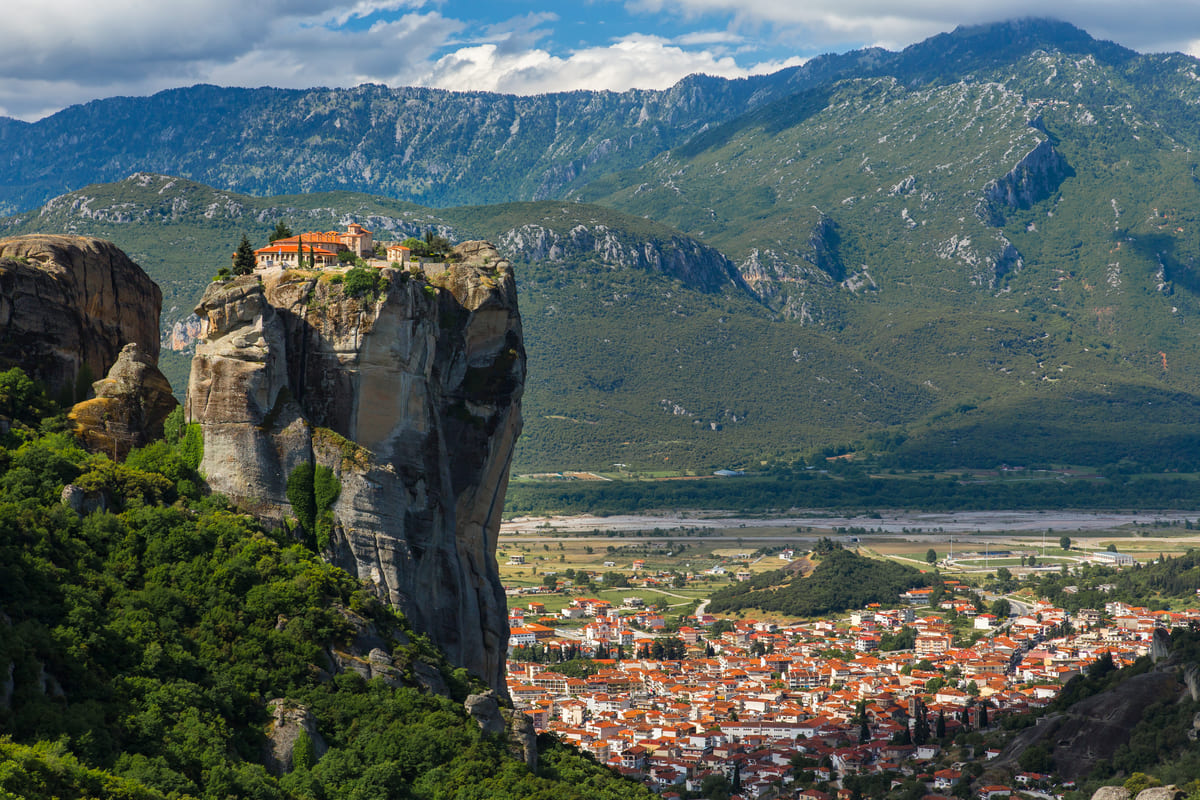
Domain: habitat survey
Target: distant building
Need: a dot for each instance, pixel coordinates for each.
(1113, 558)
(287, 253)
(320, 248)
(398, 254)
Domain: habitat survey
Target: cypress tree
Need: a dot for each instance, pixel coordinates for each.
(243, 259)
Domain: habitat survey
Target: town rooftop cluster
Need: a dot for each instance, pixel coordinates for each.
(759, 697)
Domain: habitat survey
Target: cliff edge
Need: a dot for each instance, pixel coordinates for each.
(68, 305)
(400, 390)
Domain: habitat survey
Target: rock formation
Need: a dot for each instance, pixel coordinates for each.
(1091, 730)
(288, 722)
(406, 389)
(129, 408)
(68, 304)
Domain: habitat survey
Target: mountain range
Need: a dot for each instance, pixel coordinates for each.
(979, 250)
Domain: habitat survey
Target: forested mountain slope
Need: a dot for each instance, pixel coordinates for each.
(160, 643)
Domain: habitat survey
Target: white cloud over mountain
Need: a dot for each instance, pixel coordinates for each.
(59, 52)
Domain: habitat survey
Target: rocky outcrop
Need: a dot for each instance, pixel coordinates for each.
(129, 408)
(409, 394)
(1092, 730)
(522, 739)
(697, 265)
(183, 334)
(485, 710)
(515, 726)
(68, 304)
(1032, 179)
(288, 722)
(1161, 793)
(1111, 793)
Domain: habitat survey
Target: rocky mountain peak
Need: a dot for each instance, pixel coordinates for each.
(400, 389)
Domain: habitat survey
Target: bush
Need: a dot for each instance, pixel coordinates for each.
(362, 282)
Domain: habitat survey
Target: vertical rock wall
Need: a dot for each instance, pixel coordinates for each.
(68, 304)
(411, 397)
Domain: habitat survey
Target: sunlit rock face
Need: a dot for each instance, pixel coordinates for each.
(409, 392)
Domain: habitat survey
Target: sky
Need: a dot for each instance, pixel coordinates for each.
(58, 53)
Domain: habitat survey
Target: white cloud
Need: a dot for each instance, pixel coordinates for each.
(59, 52)
(829, 24)
(708, 37)
(642, 62)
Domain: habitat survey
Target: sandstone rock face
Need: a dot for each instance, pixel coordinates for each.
(522, 739)
(1161, 793)
(129, 408)
(1090, 731)
(72, 302)
(411, 398)
(288, 721)
(485, 710)
(1111, 793)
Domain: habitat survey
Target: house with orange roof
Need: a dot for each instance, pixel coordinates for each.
(294, 253)
(399, 254)
(316, 248)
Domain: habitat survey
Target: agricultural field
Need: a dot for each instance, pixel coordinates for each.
(670, 549)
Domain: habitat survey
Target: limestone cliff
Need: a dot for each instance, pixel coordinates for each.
(409, 393)
(129, 408)
(68, 304)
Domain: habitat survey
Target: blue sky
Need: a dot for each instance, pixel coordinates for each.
(62, 52)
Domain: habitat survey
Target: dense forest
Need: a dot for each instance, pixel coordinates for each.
(147, 628)
(842, 580)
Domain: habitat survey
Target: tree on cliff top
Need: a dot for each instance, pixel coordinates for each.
(243, 259)
(282, 231)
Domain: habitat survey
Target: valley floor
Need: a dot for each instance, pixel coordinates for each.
(1060, 521)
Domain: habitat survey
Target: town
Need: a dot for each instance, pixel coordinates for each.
(814, 710)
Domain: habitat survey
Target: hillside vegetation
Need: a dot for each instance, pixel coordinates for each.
(842, 580)
(148, 640)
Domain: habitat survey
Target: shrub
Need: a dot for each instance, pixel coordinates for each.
(362, 282)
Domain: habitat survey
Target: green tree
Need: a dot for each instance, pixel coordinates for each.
(1036, 759)
(301, 494)
(920, 733)
(22, 398)
(1064, 542)
(304, 752)
(931, 556)
(243, 259)
(282, 231)
(1139, 782)
(715, 787)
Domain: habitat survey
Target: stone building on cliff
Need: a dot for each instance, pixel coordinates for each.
(323, 248)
